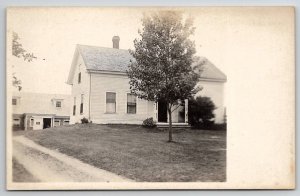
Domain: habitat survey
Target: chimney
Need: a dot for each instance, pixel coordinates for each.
(116, 40)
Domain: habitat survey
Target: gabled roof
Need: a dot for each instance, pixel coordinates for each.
(105, 59)
(210, 71)
(117, 60)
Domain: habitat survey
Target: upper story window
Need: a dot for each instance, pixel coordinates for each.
(131, 104)
(58, 104)
(110, 102)
(79, 77)
(14, 101)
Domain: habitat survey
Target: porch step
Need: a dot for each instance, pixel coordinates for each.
(176, 125)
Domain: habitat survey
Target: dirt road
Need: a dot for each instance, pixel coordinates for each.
(47, 165)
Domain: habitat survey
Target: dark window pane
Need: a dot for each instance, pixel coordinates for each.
(81, 108)
(79, 78)
(58, 104)
(74, 110)
(131, 104)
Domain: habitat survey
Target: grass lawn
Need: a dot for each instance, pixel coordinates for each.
(142, 154)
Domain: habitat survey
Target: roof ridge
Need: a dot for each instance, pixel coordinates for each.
(101, 47)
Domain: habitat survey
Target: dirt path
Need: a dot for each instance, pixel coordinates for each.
(51, 166)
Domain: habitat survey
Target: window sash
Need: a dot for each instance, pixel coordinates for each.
(110, 97)
(14, 101)
(58, 104)
(131, 104)
(79, 77)
(110, 107)
(81, 108)
(110, 102)
(74, 110)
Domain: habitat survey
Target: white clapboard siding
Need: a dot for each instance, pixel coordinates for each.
(78, 89)
(214, 90)
(102, 83)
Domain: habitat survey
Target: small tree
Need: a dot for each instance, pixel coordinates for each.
(163, 57)
(19, 52)
(201, 111)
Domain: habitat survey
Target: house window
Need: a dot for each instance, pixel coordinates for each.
(79, 77)
(58, 104)
(81, 104)
(56, 123)
(74, 107)
(31, 122)
(14, 101)
(37, 123)
(131, 104)
(66, 122)
(110, 102)
(16, 121)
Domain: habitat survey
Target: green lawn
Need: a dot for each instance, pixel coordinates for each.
(142, 154)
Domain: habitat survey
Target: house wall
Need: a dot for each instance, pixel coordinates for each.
(102, 83)
(18, 121)
(39, 103)
(78, 89)
(214, 90)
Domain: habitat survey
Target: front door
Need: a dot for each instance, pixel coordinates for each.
(162, 111)
(46, 123)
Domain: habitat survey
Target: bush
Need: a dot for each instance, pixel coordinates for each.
(84, 121)
(201, 112)
(149, 122)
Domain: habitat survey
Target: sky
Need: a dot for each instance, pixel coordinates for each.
(250, 45)
(52, 35)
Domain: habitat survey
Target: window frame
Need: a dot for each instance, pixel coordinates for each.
(81, 104)
(60, 104)
(79, 77)
(106, 112)
(127, 111)
(74, 106)
(31, 124)
(59, 123)
(14, 101)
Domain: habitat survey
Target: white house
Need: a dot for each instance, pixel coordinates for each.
(100, 89)
(32, 111)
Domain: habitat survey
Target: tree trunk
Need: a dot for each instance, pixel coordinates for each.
(170, 124)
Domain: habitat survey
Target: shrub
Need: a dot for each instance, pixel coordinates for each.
(84, 120)
(149, 122)
(201, 112)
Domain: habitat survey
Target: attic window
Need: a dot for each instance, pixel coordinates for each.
(58, 104)
(79, 78)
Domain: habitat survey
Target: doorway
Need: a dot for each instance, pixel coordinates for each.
(46, 123)
(162, 111)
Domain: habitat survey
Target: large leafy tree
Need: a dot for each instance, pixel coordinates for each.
(19, 52)
(163, 57)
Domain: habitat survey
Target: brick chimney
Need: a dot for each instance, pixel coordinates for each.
(116, 40)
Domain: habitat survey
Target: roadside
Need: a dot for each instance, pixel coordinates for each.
(50, 166)
(20, 174)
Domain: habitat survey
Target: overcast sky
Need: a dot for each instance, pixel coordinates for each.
(52, 34)
(247, 44)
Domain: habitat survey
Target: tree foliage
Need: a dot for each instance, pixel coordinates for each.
(201, 111)
(163, 57)
(19, 52)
